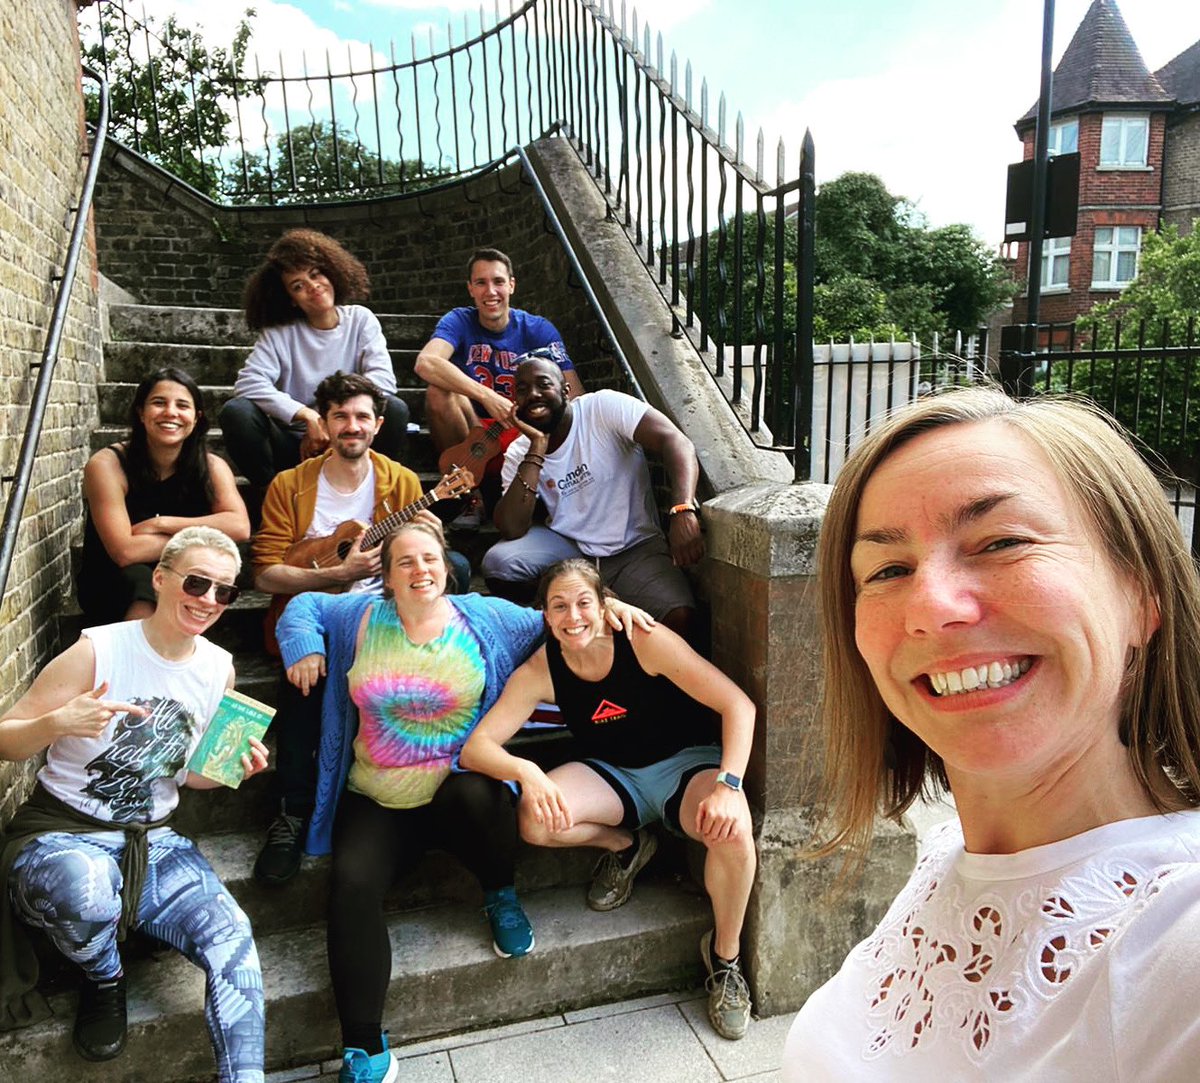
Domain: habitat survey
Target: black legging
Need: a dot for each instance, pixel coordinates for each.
(471, 816)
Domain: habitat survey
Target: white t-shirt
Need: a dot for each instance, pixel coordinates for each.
(1075, 961)
(333, 508)
(132, 772)
(596, 485)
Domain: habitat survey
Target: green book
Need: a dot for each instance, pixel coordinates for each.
(219, 754)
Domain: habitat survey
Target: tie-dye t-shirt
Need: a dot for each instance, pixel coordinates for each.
(416, 705)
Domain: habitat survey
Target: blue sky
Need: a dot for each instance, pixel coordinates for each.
(921, 92)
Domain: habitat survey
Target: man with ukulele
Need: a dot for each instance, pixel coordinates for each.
(470, 365)
(348, 483)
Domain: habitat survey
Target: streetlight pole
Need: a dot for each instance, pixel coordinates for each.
(1037, 221)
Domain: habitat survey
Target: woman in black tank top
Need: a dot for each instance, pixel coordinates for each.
(640, 706)
(142, 492)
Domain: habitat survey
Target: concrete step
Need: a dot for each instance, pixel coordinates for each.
(115, 398)
(128, 362)
(445, 978)
(162, 323)
(436, 880)
(239, 630)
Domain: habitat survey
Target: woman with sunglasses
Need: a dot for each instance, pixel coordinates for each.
(89, 856)
(144, 490)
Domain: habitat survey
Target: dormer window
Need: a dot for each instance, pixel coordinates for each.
(1064, 137)
(1124, 141)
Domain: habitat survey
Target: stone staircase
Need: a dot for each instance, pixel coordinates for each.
(445, 977)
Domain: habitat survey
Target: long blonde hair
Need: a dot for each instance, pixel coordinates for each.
(873, 764)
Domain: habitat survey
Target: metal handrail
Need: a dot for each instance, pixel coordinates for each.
(577, 267)
(15, 506)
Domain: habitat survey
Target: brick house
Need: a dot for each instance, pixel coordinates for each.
(1138, 136)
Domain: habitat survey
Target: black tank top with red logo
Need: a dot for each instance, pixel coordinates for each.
(627, 718)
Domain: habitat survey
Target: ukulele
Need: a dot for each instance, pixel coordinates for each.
(332, 549)
(473, 454)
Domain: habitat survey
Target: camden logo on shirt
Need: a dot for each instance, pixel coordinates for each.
(608, 712)
(579, 478)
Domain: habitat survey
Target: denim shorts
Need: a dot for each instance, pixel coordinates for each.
(655, 792)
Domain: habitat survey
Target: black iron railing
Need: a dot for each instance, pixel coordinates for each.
(1146, 375)
(730, 251)
(15, 504)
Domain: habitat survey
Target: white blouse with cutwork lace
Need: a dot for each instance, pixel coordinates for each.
(1074, 961)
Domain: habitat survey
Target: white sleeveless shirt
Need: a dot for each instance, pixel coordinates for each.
(132, 771)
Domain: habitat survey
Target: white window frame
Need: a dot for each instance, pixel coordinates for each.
(1125, 123)
(1113, 248)
(1056, 252)
(1059, 129)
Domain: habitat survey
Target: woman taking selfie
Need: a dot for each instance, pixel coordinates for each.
(1011, 614)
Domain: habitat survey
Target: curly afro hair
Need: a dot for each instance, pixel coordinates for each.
(266, 302)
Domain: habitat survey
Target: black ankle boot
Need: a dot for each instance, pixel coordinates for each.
(100, 1020)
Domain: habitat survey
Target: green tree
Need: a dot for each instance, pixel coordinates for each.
(310, 164)
(859, 228)
(1165, 294)
(879, 270)
(1153, 393)
(169, 105)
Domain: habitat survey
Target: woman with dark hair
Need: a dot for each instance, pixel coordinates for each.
(303, 302)
(142, 492)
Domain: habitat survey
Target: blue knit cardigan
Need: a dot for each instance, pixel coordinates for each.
(327, 624)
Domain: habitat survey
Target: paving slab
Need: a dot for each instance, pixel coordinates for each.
(761, 1050)
(654, 1045)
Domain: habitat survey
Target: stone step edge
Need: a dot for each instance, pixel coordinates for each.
(440, 956)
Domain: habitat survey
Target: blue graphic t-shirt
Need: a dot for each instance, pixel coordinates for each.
(132, 771)
(490, 358)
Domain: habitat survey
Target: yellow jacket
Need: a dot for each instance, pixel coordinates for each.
(291, 502)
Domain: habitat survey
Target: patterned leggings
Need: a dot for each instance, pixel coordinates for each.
(68, 886)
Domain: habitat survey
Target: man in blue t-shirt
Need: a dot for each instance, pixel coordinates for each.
(470, 362)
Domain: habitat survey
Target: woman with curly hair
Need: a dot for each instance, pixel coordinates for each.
(140, 493)
(303, 302)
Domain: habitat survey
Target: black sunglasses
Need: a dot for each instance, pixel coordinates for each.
(198, 586)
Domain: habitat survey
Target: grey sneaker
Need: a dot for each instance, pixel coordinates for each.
(728, 994)
(612, 882)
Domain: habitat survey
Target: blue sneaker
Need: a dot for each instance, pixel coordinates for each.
(359, 1066)
(511, 932)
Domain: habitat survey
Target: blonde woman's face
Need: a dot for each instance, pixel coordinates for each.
(991, 621)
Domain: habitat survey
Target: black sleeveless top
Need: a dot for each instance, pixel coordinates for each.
(103, 590)
(627, 718)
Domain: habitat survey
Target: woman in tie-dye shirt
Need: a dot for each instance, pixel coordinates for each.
(410, 676)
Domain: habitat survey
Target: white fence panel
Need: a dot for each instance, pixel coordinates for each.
(855, 385)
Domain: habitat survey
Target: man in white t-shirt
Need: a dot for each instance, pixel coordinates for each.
(584, 461)
(349, 481)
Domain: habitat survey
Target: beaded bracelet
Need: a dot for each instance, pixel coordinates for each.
(526, 486)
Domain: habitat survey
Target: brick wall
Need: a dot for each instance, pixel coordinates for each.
(1181, 182)
(1107, 197)
(168, 245)
(41, 171)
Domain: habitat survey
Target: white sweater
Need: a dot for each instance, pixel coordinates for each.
(287, 362)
